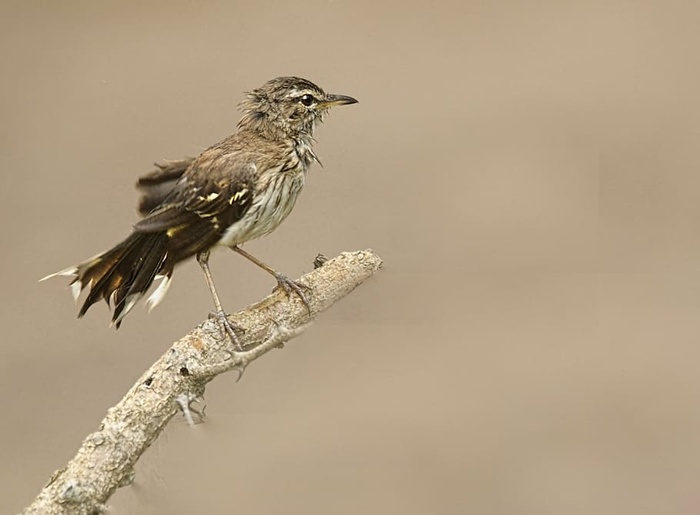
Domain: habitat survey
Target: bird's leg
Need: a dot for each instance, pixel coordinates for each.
(284, 282)
(227, 327)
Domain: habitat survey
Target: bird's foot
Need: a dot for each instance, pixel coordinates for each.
(291, 286)
(228, 328)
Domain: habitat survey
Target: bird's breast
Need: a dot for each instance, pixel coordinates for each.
(273, 201)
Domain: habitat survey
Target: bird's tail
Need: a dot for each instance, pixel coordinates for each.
(122, 275)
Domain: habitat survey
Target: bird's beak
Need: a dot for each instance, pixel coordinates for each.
(337, 100)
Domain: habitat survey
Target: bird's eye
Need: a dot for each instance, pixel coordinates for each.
(307, 100)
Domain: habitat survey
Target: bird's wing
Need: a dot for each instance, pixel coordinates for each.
(211, 196)
(157, 185)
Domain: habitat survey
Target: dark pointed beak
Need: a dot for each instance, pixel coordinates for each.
(337, 100)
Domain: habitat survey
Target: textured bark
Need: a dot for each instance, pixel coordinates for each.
(107, 457)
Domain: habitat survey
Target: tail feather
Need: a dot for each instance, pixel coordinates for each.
(142, 264)
(98, 274)
(122, 275)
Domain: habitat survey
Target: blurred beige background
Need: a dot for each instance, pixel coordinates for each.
(529, 173)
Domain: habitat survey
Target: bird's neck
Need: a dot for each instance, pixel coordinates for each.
(276, 129)
(300, 141)
(303, 146)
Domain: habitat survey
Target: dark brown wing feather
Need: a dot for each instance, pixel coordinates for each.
(170, 170)
(158, 184)
(210, 197)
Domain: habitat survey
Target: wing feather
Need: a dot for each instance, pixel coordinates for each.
(158, 184)
(209, 197)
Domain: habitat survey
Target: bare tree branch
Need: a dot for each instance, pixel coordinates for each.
(106, 459)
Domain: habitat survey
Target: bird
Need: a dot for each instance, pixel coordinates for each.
(235, 191)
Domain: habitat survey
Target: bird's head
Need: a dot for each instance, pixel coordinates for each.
(288, 106)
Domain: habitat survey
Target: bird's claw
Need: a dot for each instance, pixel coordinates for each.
(228, 328)
(291, 286)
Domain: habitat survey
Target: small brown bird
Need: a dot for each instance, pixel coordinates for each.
(237, 190)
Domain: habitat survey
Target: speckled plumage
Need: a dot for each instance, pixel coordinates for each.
(239, 189)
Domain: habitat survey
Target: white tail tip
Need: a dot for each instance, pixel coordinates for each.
(157, 296)
(67, 272)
